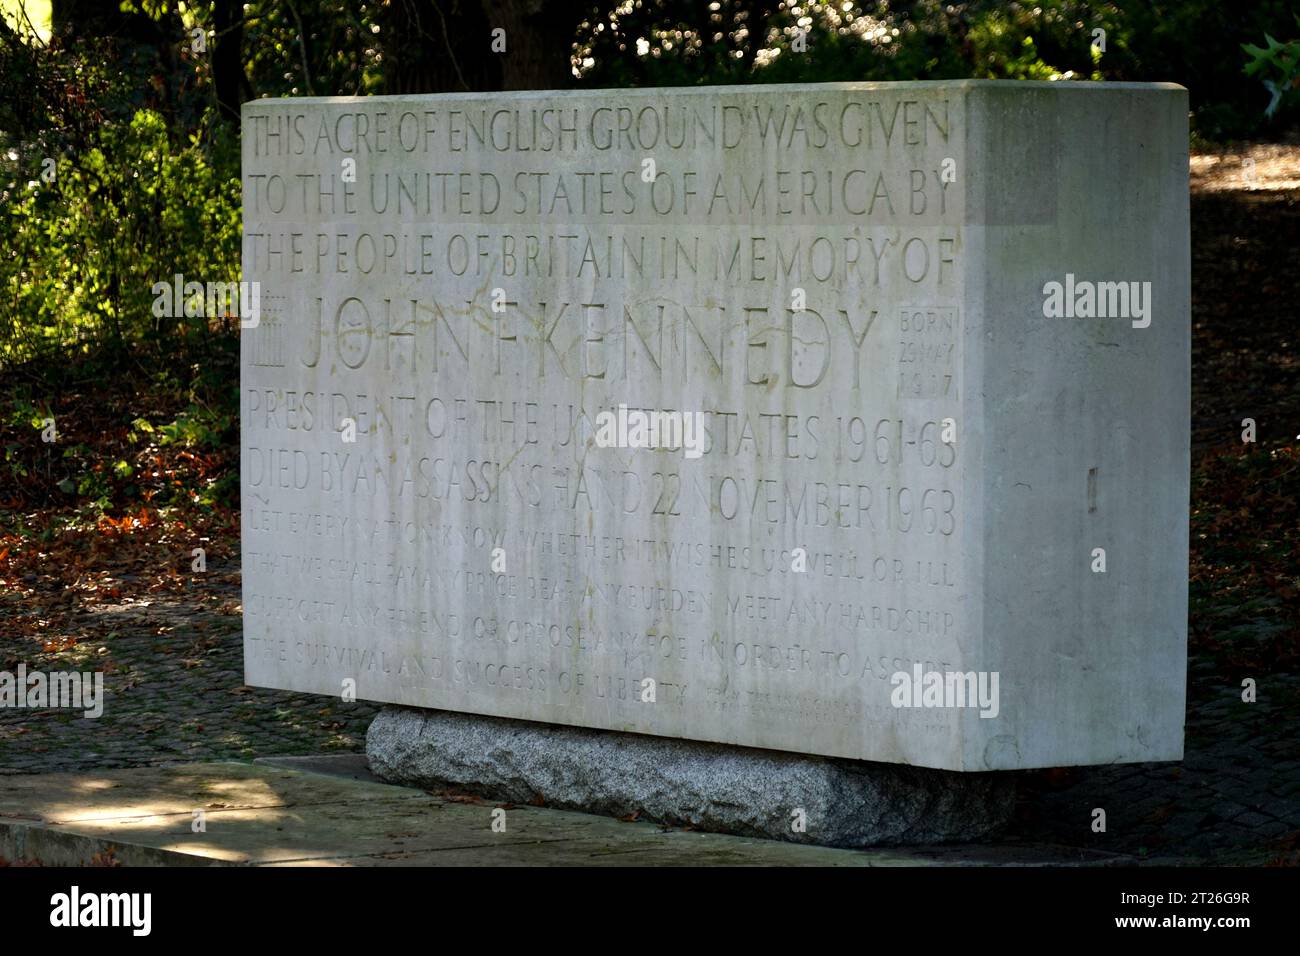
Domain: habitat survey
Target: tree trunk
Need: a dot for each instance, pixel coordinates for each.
(227, 57)
(539, 42)
(445, 46)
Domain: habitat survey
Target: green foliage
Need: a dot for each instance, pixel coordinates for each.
(1277, 66)
(200, 427)
(312, 48)
(108, 457)
(305, 48)
(82, 252)
(750, 42)
(1198, 43)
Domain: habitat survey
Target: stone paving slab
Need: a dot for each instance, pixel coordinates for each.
(330, 812)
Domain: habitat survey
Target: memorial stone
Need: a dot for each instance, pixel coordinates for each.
(728, 414)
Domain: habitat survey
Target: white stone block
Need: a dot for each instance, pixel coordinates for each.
(906, 457)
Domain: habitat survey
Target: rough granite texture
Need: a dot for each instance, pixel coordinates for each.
(708, 786)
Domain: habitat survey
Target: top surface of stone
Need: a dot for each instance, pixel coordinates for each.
(787, 88)
(862, 432)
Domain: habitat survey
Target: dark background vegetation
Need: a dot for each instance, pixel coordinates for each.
(143, 132)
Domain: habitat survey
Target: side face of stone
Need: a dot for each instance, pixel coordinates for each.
(1078, 442)
(704, 413)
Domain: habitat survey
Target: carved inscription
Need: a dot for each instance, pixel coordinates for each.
(427, 510)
